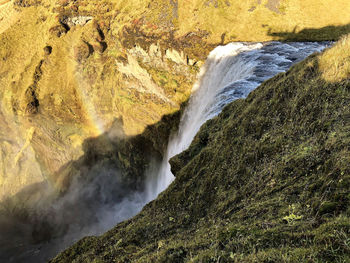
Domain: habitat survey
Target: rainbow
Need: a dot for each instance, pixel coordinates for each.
(94, 122)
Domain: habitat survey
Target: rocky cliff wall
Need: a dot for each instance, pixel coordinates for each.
(65, 79)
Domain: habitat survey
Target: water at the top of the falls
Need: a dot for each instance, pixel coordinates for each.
(230, 72)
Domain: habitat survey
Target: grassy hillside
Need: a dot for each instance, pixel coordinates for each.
(219, 21)
(258, 20)
(266, 181)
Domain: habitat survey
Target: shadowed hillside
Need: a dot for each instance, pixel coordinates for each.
(103, 187)
(316, 34)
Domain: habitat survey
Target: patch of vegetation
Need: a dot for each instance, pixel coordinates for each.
(176, 86)
(265, 181)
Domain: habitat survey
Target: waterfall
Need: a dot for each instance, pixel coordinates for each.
(230, 72)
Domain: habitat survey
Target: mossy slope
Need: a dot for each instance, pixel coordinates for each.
(266, 181)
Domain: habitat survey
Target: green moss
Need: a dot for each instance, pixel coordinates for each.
(328, 208)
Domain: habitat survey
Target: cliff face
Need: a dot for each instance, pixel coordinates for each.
(265, 181)
(70, 69)
(66, 78)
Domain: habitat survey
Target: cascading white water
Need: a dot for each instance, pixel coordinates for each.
(222, 67)
(230, 72)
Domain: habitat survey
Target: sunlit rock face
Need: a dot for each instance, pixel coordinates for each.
(65, 79)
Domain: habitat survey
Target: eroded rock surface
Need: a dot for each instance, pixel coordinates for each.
(63, 87)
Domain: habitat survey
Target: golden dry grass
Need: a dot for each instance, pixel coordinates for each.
(335, 62)
(8, 15)
(2, 2)
(240, 24)
(228, 20)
